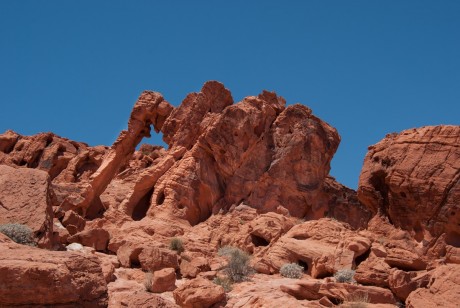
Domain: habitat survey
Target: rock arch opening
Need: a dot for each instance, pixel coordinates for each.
(453, 239)
(95, 210)
(161, 198)
(304, 265)
(377, 180)
(359, 259)
(141, 208)
(134, 258)
(259, 241)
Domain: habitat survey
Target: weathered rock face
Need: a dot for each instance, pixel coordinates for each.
(256, 151)
(413, 178)
(68, 163)
(128, 290)
(240, 227)
(340, 202)
(374, 270)
(443, 289)
(322, 247)
(220, 154)
(264, 291)
(314, 289)
(139, 299)
(66, 160)
(403, 283)
(31, 276)
(25, 198)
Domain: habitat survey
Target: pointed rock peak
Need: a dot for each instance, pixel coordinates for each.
(277, 102)
(216, 92)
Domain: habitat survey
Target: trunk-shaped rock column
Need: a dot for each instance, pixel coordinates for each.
(150, 109)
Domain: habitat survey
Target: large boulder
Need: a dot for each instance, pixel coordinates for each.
(403, 283)
(413, 178)
(31, 276)
(192, 264)
(25, 198)
(139, 299)
(164, 280)
(149, 257)
(373, 271)
(198, 293)
(96, 238)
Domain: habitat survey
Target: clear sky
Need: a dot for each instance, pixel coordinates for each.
(366, 67)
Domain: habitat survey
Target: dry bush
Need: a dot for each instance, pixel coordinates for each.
(224, 282)
(345, 275)
(19, 233)
(176, 244)
(148, 282)
(291, 270)
(226, 251)
(356, 300)
(238, 268)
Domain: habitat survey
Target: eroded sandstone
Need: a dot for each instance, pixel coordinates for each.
(253, 175)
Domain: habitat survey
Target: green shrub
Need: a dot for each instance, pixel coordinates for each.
(291, 270)
(19, 233)
(176, 244)
(345, 275)
(224, 282)
(238, 267)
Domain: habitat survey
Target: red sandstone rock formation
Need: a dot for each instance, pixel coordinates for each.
(32, 276)
(443, 289)
(413, 178)
(198, 292)
(164, 280)
(224, 169)
(311, 289)
(322, 247)
(252, 175)
(25, 198)
(256, 151)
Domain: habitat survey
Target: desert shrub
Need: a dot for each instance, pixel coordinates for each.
(356, 300)
(238, 267)
(148, 282)
(291, 270)
(146, 149)
(224, 282)
(226, 251)
(345, 275)
(19, 233)
(176, 244)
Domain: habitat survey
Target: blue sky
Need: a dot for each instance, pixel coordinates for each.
(366, 67)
